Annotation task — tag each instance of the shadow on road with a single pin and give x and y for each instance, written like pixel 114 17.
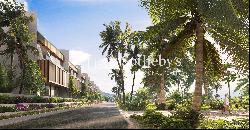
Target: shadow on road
pixel 100 116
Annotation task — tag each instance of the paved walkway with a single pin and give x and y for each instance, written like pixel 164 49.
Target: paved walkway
pixel 99 116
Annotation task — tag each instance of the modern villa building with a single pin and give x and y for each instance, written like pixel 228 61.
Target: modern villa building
pixel 55 65
pixel 56 68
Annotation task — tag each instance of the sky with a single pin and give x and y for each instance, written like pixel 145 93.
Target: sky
pixel 76 24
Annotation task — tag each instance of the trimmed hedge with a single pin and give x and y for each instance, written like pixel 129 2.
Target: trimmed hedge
pixel 7 109
pixel 5 99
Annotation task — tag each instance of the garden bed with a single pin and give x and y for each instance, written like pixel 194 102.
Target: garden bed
pixel 188 120
pixel 8 115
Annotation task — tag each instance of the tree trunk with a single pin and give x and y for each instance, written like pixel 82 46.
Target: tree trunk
pixel 205 86
pixel 119 93
pixel 131 94
pixel 178 86
pixel 123 92
pixel 22 78
pixel 50 91
pixel 229 93
pixel 122 83
pixel 11 61
pixel 162 91
pixel 198 67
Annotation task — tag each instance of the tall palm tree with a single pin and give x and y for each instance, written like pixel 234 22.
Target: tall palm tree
pixel 133 51
pixel 184 22
pixel 118 79
pixel 114 43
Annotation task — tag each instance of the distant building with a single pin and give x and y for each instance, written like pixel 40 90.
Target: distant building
pixel 55 65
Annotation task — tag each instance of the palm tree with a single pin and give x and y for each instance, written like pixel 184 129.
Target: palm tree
pixel 133 50
pixel 243 84
pixel 229 76
pixel 114 43
pixel 118 79
pixel 184 22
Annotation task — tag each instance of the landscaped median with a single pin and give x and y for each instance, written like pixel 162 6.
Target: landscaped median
pixel 18 106
pixel 186 119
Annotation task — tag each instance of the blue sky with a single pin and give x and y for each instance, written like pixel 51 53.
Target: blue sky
pixel 76 24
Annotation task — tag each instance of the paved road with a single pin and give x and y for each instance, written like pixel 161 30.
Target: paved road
pixel 99 116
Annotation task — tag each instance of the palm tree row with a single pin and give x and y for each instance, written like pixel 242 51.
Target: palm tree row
pixel 179 33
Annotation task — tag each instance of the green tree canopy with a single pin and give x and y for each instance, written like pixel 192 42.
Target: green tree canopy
pixel 183 24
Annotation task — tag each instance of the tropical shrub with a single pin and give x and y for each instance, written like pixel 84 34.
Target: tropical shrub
pixel 224 124
pixel 6 84
pixel 39 99
pixel 216 104
pixel 175 101
pixel 72 87
pixel 189 116
pixel 6 99
pixel 151 106
pixel 4 109
pixel 139 102
pixel 32 78
pixel 205 107
pixel 184 118
pixel 161 106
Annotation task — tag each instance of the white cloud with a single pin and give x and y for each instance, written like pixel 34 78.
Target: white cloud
pixel 78 57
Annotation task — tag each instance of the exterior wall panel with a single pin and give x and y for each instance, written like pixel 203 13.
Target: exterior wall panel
pixel 52 72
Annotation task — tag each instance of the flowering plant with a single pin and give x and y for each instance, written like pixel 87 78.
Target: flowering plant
pixel 22 107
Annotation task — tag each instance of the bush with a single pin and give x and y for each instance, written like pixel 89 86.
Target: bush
pixel 4 109
pixel 22 99
pixel 170 105
pixel 216 104
pixel 34 107
pixel 151 106
pixel 161 106
pixel 189 116
pixel 153 119
pixel 55 100
pixel 5 99
pixel 224 124
pixel 181 119
pixel 205 107
pixel 38 99
pixel 139 102
pixel 6 83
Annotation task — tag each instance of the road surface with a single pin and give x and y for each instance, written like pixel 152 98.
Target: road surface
pixel 99 116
